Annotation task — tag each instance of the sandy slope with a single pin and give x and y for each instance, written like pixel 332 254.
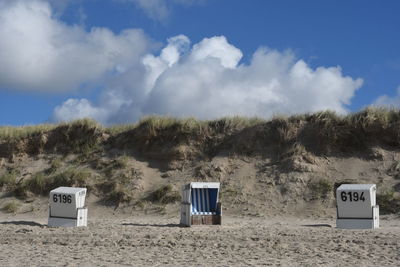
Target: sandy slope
pixel 150 240
pixel 255 191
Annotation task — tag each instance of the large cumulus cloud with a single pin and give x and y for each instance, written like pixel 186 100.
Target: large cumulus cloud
pixel 207 81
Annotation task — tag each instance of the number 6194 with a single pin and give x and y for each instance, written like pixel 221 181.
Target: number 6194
pixel 352 196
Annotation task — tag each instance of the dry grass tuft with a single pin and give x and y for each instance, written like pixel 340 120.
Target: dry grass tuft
pixel 389 202
pixel 11 207
pixel 41 183
pixel 321 189
pixel 12 132
pixel 165 195
pixel 8 179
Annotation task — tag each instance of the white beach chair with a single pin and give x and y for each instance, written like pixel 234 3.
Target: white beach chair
pixel 356 206
pixel 200 204
pixel 67 207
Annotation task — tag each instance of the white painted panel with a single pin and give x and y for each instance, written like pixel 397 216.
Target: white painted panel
pixel 360 223
pixel 61 222
pixel 82 217
pixel 185 214
pixel 204 185
pixel 80 220
pixel 355 224
pixel 355 201
pixel 64 201
pixel 186 194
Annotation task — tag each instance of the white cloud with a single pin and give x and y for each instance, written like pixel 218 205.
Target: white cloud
pixel 388 101
pixel 39 52
pixel 155 9
pixel 207 81
pixel 160 9
pixel 204 80
pixel 217 48
pixel 74 108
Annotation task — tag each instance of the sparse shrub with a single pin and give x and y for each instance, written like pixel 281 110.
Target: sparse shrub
pixel 55 165
pixel 120 128
pixel 327 118
pixel 394 170
pixel 8 179
pixel 80 136
pixel 71 177
pixel 284 189
pixel 229 124
pixel 388 202
pixel 37 184
pixel 11 207
pixel 296 149
pixel 320 188
pixel 119 194
pixel 140 204
pixel 12 133
pixel 396 188
pixel 41 183
pixel 370 117
pixel 121 162
pixel 121 186
pixel 282 130
pixel 165 195
pixel 228 192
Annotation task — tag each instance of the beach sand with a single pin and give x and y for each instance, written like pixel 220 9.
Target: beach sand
pixel 148 240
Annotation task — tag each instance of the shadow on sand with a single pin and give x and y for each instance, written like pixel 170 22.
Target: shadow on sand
pixel 26 223
pixel 153 225
pixel 318 225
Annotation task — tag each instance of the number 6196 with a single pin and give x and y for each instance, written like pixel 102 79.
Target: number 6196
pixel 62 198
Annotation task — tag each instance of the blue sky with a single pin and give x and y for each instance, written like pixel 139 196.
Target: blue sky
pixel 118 60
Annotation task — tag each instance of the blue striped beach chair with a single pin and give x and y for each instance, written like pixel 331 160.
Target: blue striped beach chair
pixel 200 204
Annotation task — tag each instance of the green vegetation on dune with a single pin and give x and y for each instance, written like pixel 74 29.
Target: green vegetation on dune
pixel 388 202
pixel 11 132
pixel 41 183
pixel 328 128
pixel 101 157
pixel 11 206
pixel 165 194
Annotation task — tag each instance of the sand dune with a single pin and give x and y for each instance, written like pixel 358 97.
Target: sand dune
pixel 277 177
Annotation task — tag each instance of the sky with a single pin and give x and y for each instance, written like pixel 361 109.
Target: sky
pixel 118 60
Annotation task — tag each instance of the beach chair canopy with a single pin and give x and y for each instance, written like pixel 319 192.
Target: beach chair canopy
pixel 204 198
pixel 200 204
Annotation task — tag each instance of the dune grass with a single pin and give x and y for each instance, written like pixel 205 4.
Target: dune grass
pixel 11 206
pixel 18 132
pixel 388 202
pixel 320 132
pixel 328 130
pixel 321 188
pixel 42 183
pixel 8 179
pixel 367 118
pixel 165 195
